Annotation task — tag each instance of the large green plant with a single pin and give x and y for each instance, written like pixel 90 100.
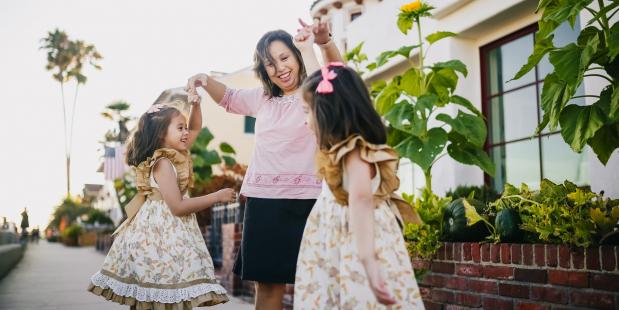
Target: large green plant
pixel 66 59
pixel 204 158
pixel 413 102
pixel 594 54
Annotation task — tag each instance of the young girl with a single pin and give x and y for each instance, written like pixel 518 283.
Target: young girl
pixel 159 259
pixel 352 255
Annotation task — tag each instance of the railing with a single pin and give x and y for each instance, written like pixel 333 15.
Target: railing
pixel 222 214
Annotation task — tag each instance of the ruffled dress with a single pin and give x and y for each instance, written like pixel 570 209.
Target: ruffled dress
pixel 158 260
pixel 329 273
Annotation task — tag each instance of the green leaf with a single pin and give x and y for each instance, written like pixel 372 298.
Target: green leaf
pixel 442 83
pixel 423 151
pixel 603 12
pixel 405 51
pixel 613 42
pixel 387 97
pixel 542 47
pixel 426 102
pixel 472 127
pixel 432 38
pixel 384 57
pixel 229 161
pixel 455 64
pixel 614 103
pixel 411 82
pixel 571 61
pixel 204 138
pixel 467 153
pixel 579 124
pixel 210 157
pixel 404 117
pixel 605 142
pixel 227 148
pixel 461 101
pixel 404 23
pixel 555 95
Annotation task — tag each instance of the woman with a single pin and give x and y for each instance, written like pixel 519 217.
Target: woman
pixel 281 185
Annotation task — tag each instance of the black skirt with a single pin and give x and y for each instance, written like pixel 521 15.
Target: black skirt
pixel 272 232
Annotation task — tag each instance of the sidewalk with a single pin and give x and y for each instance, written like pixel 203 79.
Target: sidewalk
pixel 54 277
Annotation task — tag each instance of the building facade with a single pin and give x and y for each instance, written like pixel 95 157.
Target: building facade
pixel 494 40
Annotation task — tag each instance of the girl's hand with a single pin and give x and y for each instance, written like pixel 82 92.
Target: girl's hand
pixel 377 283
pixel 193 97
pixel 320 30
pixel 198 80
pixel 226 195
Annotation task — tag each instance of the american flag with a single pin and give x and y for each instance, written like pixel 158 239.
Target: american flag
pixel 114 162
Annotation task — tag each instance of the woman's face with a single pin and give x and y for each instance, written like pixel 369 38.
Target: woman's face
pixel 284 72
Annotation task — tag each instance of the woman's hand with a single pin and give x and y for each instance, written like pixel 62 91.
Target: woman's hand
pixel 198 80
pixel 226 195
pixel 377 283
pixel 304 39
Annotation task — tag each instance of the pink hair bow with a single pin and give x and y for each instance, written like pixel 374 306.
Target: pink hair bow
pixel 325 86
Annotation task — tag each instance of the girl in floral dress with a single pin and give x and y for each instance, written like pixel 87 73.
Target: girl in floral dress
pixel 159 259
pixel 352 253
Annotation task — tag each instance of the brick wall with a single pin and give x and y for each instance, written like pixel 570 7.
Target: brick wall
pixel 520 276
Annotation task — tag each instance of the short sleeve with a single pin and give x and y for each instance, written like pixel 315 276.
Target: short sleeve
pixel 243 101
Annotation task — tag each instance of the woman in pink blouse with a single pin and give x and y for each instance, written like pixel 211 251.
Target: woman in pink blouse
pixel 281 185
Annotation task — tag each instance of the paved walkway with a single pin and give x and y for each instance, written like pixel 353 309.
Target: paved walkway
pixel 54 277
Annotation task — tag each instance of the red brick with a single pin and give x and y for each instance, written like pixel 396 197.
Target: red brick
pixel 449 251
pixel 514 290
pixel 442 267
pixel 499 272
pixel 578 258
pixel 466 251
pixel 483 286
pixel 495 253
pixel 530 275
pixel 516 253
pixel 568 278
pixel 440 254
pixel 565 257
pixel 455 307
pixel 608 258
pixel 475 252
pixel 531 306
pixel 434 280
pixel 421 264
pixel 485 252
pixel 469 270
pixel 605 281
pixel 457 283
pixel 549 294
pixel 497 303
pixel 592 299
pixel 505 255
pixel 457 252
pixel 593 258
pixel 470 300
pixel 552 255
pixel 527 254
pixel 443 296
pixel 540 255
pixel 432 305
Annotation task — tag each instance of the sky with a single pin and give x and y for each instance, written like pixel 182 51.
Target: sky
pixel 148 46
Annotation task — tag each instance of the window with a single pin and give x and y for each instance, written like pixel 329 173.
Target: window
pixel 512 110
pixel 250 123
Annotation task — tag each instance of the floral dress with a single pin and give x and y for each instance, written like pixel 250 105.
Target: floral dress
pixel 329 272
pixel 158 260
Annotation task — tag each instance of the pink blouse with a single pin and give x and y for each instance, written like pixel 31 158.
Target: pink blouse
pixel 282 165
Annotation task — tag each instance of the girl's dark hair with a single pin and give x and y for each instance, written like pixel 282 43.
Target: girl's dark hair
pixel 348 110
pixel 262 55
pixel 149 135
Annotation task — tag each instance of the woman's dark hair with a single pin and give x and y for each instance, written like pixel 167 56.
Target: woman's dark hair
pixel 348 110
pixel 149 135
pixel 262 55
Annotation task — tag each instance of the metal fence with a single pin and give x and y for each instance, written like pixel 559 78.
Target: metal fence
pixel 222 214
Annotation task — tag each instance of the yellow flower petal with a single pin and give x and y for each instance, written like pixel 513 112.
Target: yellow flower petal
pixel 411 7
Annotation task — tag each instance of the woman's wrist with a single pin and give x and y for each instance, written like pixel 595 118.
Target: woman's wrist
pixel 326 44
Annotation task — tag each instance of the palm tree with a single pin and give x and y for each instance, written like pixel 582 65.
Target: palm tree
pixel 66 59
pixel 114 112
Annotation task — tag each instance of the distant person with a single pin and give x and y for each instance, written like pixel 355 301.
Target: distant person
pixel 353 255
pixel 159 259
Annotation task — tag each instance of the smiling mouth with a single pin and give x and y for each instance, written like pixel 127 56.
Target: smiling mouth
pixel 184 141
pixel 285 77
